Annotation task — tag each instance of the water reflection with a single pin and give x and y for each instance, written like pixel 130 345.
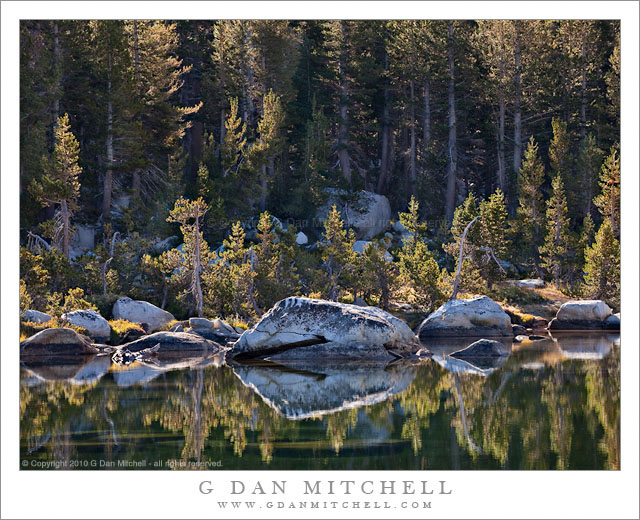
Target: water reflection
pixel 303 390
pixel 552 404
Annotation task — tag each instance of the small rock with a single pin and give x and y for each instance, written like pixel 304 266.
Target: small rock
pixel 535 283
pixel 96 326
pixel 482 348
pixel 36 316
pixel 141 312
pixel 200 323
pixel 302 239
pixel 612 322
pixel 518 330
pixel 535 337
pixel 584 310
pixel 539 323
pixel 177 328
pixel 520 338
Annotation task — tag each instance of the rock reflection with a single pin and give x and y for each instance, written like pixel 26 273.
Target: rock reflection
pixel 83 370
pixel 303 390
pixel 594 346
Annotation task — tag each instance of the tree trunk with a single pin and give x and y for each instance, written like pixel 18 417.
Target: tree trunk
pixel 412 150
pixel 263 187
pixel 427 114
pixel 197 288
pixel 456 280
pixel 452 166
pixel 583 97
pixel 55 107
pixel 108 178
pixel 135 182
pixel 343 129
pixel 502 180
pixel 517 115
pixel 384 146
pixel 66 228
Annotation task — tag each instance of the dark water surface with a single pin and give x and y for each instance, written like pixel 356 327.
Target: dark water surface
pixel 552 404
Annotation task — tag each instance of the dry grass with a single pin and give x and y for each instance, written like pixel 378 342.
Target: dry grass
pixel 121 327
pixel 29 328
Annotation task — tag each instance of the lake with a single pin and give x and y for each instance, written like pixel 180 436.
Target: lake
pixel 552 404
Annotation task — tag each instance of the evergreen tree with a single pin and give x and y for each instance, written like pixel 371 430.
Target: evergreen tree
pixel 380 275
pixel 530 210
pixel 602 266
pixel 190 215
pixel 59 184
pixel 337 254
pixel 494 242
pixel 276 276
pixel 557 244
pixel 419 271
pixel 229 281
pixel 233 146
pixel 608 202
pixel 589 162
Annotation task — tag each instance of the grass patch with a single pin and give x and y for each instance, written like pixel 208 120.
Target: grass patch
pixel 237 322
pixel 514 294
pixel 168 326
pixel 29 328
pixel 121 327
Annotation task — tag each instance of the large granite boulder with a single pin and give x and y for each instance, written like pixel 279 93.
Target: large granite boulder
pixel 581 315
pixel 368 213
pixel 300 391
pixel 299 323
pixel 141 312
pixel 479 316
pixel 58 341
pixel 96 326
pixel 36 316
pixel 215 330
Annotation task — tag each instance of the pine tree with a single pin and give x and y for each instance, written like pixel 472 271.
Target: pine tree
pixel 337 253
pixel 602 267
pixel 276 276
pixel 59 184
pixel 608 202
pixel 589 162
pixel 264 150
pixel 530 210
pixel 561 161
pixel 233 146
pixel 557 244
pixel 493 238
pixel 229 281
pixel 419 271
pixel 380 275
pixel 190 214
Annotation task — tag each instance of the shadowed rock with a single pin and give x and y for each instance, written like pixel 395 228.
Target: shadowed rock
pixel 302 390
pixel 173 342
pixel 482 349
pixel 58 341
pixel 36 316
pixel 353 331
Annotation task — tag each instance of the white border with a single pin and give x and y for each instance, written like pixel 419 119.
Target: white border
pixel 477 494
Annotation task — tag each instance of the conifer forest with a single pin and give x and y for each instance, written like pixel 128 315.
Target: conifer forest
pixel 174 144
pixel 292 244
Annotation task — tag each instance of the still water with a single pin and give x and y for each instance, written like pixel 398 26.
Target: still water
pixel 552 404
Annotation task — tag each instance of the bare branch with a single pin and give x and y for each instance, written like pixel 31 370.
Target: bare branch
pixel 457 278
